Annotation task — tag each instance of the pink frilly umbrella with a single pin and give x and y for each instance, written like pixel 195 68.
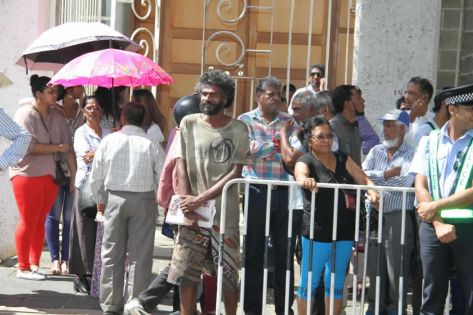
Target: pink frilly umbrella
pixel 109 68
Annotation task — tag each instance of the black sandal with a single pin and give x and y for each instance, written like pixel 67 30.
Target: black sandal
pixel 82 284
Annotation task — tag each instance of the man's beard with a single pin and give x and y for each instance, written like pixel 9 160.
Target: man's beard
pixel 391 143
pixel 359 113
pixel 211 110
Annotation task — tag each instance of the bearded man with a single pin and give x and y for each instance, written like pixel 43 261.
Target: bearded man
pixel 214 148
pixel 388 164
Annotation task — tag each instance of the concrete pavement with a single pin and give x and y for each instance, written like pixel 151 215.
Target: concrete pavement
pixel 56 294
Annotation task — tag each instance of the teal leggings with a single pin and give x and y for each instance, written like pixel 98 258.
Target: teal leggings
pixel 322 257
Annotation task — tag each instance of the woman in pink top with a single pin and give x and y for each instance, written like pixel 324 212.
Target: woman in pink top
pixel 33 178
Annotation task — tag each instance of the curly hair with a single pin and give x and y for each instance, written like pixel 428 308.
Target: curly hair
pixel 220 79
pixel 306 132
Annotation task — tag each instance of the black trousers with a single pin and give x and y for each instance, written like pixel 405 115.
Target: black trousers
pixel 157 290
pixel 255 242
pixel 436 263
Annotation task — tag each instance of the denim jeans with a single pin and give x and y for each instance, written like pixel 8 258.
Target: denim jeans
pixel 62 206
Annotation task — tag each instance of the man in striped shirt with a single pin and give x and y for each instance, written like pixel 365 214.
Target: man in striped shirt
pixel 264 125
pixel 388 164
pixel 20 140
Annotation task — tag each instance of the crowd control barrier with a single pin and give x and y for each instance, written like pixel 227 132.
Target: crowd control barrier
pixel 358 305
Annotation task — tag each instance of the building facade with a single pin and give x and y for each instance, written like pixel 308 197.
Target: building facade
pixel 378 45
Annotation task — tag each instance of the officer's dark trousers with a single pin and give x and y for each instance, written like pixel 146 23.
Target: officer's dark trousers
pixel 436 263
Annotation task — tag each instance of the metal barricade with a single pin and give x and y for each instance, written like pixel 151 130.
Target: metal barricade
pixel 358 304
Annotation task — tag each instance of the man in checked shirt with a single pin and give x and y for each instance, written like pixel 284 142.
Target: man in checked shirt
pixel 387 164
pixel 264 125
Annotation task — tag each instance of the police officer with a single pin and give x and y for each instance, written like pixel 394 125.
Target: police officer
pixel 444 167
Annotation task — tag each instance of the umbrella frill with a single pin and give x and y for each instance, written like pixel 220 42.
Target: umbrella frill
pixel 111 67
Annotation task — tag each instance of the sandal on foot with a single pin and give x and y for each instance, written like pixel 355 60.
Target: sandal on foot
pixel 65 268
pixel 55 268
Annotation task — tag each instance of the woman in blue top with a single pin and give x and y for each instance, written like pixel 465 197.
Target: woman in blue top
pixel 322 165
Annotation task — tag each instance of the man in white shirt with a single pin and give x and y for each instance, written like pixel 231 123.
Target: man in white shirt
pixel 124 176
pixel 443 165
pixel 441 116
pixel 316 82
pixel 418 94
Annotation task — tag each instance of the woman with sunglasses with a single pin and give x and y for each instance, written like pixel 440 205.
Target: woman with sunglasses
pixel 321 165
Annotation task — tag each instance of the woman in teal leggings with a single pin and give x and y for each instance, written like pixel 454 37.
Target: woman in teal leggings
pixel 321 165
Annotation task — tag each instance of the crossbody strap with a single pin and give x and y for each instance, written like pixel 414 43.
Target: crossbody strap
pixel 433 166
pixel 462 180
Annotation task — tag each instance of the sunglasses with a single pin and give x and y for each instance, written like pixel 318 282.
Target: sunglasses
pixel 317 74
pixel 458 160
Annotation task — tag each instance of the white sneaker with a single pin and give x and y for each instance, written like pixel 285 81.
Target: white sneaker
pixel 29 275
pixel 134 307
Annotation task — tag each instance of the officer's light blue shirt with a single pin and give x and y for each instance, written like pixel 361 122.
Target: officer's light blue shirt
pixel 448 153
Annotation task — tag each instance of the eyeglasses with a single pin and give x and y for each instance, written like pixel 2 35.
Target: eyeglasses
pixel 321 137
pixel 458 160
pixel 317 74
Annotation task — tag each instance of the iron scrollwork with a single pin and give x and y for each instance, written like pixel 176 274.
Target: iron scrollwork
pixel 227 5
pixel 144 43
pixel 225 47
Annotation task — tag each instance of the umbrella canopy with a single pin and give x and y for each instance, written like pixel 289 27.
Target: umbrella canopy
pixel 62 43
pixel 111 67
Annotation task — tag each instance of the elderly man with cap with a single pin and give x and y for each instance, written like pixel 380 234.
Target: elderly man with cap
pixel 444 164
pixel 388 164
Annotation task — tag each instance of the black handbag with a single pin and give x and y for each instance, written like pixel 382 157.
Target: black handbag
pixel 61 178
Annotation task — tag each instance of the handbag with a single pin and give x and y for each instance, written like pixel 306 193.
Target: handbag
pixel 87 206
pixel 350 200
pixel 61 178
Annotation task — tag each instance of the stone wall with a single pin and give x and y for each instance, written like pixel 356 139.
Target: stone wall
pixel 22 21
pixel 466 57
pixel 456 44
pixel 394 41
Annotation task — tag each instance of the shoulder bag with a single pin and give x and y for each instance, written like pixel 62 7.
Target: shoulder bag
pixel 86 205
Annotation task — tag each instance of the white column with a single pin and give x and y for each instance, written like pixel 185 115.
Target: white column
pixel 394 41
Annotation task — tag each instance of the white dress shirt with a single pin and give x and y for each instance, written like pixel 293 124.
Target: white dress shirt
pixel 125 161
